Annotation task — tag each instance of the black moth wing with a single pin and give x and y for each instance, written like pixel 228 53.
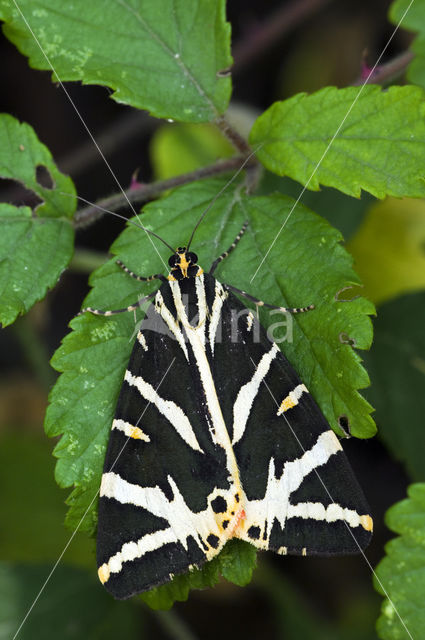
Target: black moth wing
pixel 216 437
pixel 301 494
pixel 164 480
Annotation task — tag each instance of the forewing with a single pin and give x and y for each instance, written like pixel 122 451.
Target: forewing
pixel 301 494
pixel 165 482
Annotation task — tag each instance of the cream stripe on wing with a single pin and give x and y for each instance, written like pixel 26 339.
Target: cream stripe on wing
pixel 217 426
pixel 292 399
pixel 220 297
pixel 275 503
pixel 168 408
pixel 331 513
pixel 184 523
pixel 248 392
pixel 170 321
pixel 130 430
pixel 142 340
pixel 202 306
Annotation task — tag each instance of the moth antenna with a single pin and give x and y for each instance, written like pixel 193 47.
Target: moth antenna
pixel 118 215
pixel 217 195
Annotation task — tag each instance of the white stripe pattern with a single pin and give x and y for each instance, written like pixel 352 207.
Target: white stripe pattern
pixel 275 503
pixel 184 523
pixel 220 297
pixel 130 430
pixel 248 392
pixel 142 341
pixel 170 321
pixel 292 399
pixel 172 412
pixel 218 429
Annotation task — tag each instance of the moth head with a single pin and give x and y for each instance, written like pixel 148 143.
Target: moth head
pixel 183 264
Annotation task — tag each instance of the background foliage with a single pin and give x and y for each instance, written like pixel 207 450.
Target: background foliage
pixel 175 65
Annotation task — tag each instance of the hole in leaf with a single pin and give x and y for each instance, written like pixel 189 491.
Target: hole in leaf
pixel 351 295
pixel 344 424
pixel 346 339
pixel 43 177
pixel 224 73
pixel 14 192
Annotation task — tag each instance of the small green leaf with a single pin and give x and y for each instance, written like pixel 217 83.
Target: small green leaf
pixel 237 561
pixel 307 265
pixel 396 364
pixel 158 55
pixel 402 572
pixel 180 148
pixel 378 147
pixel 412 17
pixel 35 246
pixel 388 249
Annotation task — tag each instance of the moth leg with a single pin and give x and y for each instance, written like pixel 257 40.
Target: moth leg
pixel 260 303
pixel 131 307
pixel 229 250
pixel 157 276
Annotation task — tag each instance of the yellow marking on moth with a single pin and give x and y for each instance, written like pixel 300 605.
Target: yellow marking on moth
pixel 304 551
pixel 283 551
pixel 292 399
pixel 138 434
pixel 287 403
pixel 130 430
pixel 183 264
pixel 366 522
pixel 103 573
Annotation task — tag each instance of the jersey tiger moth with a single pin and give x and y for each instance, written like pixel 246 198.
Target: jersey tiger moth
pixel 215 437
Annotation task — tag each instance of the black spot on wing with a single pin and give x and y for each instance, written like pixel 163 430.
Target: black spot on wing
pixel 213 540
pixel 254 532
pixel 219 505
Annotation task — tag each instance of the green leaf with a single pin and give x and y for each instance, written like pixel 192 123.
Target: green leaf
pixel 413 19
pixel 396 364
pixel 388 249
pixel 180 148
pixel 402 572
pixel 35 246
pixel 379 146
pixel 307 265
pixel 72 606
pixel 158 55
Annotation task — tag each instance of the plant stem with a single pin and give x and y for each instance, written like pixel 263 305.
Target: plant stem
pixel 135 195
pixel 387 72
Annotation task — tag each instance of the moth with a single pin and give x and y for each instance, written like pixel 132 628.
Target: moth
pixel 215 437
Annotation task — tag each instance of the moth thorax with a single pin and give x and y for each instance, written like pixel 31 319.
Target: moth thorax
pixel 183 264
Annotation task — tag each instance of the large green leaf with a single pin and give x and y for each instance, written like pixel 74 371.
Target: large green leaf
pixel 412 15
pixel 396 364
pixel 307 265
pixel 402 571
pixel 161 55
pixel 379 146
pixel 35 246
